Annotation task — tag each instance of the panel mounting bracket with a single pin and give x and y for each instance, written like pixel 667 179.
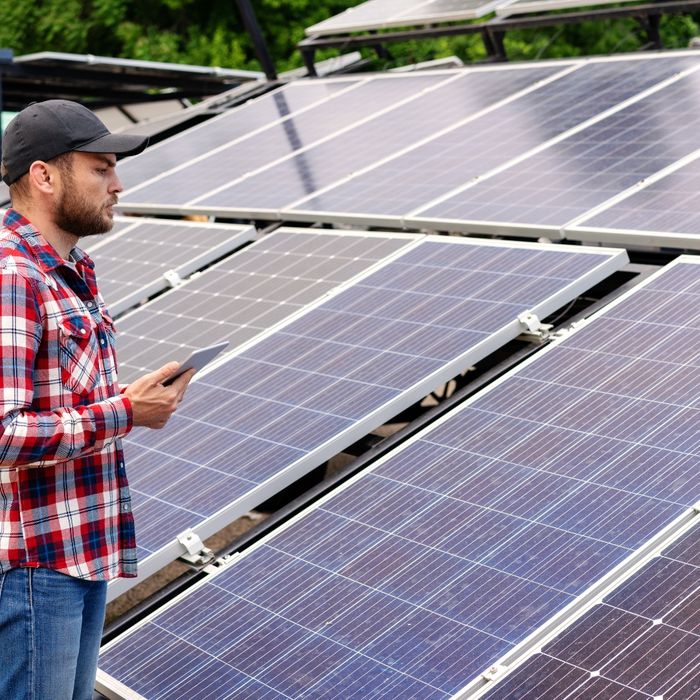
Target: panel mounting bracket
pixel 197 554
pixel 172 278
pixel 494 673
pixel 533 328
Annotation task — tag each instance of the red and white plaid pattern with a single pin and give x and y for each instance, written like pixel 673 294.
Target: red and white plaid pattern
pixel 64 497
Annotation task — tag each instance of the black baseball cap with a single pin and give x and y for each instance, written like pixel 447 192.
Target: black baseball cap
pixel 44 130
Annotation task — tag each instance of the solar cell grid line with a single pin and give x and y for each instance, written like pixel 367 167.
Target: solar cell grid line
pixel 299 394
pixel 279 141
pixel 447 553
pixel 386 191
pixel 641 641
pixel 145 256
pixel 233 124
pixel 470 92
pixel 578 170
pixel 664 210
pixel 248 293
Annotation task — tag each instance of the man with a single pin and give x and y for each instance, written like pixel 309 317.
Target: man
pixel 66 526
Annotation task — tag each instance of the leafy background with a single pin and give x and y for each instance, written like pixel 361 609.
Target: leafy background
pixel 210 32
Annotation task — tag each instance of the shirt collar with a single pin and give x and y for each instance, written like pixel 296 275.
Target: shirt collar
pixel 44 253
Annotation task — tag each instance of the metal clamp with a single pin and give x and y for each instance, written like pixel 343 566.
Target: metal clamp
pixel 533 327
pixel 172 278
pixel 197 554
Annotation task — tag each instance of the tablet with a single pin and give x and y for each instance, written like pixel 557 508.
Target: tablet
pixel 197 360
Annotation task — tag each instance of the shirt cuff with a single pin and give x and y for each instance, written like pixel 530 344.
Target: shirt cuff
pixel 113 417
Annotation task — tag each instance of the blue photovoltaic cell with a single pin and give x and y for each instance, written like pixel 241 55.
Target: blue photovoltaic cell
pixel 571 177
pixel 131 262
pixel 278 140
pixel 378 581
pixel 641 642
pixel 245 294
pixel 225 128
pixel 383 136
pixel 289 394
pixel 448 161
pixel 671 204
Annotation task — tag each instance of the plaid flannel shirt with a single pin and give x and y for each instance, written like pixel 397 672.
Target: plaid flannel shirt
pixel 64 497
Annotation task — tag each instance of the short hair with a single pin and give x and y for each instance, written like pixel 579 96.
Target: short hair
pixel 19 189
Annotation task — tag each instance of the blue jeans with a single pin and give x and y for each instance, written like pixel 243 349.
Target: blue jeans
pixel 50 631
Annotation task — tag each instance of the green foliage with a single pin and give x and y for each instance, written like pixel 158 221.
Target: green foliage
pixel 210 32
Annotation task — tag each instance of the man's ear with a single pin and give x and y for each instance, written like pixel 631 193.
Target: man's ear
pixel 42 177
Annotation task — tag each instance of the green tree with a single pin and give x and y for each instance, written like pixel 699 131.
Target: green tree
pixel 210 32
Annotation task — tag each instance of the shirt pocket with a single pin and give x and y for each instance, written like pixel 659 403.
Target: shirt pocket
pixel 78 355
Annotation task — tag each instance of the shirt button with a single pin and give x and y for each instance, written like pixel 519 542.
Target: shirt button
pixel 83 331
pixel 125 507
pixel 103 342
pixel 90 304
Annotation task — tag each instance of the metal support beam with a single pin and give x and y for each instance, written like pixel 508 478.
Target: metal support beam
pixel 253 28
pixel 5 59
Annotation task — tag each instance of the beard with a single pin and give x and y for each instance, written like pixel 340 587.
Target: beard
pixel 78 215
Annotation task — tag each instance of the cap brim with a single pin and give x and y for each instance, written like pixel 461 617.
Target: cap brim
pixel 119 144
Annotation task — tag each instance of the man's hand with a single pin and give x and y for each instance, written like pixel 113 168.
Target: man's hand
pixel 151 402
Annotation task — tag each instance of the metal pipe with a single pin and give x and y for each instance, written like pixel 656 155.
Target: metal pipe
pixel 253 28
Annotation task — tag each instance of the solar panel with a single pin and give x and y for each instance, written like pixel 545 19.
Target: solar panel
pixel 665 211
pixel 563 181
pixel 144 256
pixel 462 95
pixel 387 191
pixel 294 397
pixel 519 7
pixel 422 572
pixel 247 293
pixel 383 14
pixel 234 124
pixel 640 642
pixel 274 141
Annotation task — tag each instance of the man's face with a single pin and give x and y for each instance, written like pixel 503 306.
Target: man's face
pixel 87 195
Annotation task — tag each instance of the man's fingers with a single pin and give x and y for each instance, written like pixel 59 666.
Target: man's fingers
pixel 180 384
pixel 162 373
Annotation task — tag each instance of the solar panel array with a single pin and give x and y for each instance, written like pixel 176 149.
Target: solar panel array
pixel 580 172
pixel 238 123
pixel 382 14
pixel 526 149
pixel 294 397
pixel 329 140
pixel 640 642
pixel 386 192
pixel 247 293
pixel 664 211
pixel 140 256
pixel 426 569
